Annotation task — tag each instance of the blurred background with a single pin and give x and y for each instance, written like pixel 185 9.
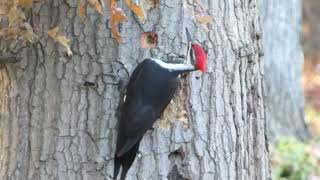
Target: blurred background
pixel 311 68
pixel 295 149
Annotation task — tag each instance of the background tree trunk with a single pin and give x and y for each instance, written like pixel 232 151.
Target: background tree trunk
pixel 58 114
pixel 283 68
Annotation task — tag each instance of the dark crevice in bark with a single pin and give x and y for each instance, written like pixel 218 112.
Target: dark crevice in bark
pixel 76 98
pixel 177 159
pixel 9 59
pixel 174 174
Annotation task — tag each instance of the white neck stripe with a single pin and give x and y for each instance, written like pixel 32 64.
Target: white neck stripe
pixel 173 67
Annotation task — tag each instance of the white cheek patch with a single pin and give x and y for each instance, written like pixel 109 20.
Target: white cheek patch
pixel 124 98
pixel 173 67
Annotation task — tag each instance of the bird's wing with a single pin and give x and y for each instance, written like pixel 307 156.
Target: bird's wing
pixel 132 113
pixel 170 91
pixel 136 74
pixel 133 131
pixel 137 116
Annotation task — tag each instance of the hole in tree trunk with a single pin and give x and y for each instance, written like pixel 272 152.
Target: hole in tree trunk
pixel 149 40
pixel 175 174
pixel 176 157
pixel 177 154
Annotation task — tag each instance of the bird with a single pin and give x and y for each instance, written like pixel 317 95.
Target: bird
pixel 151 87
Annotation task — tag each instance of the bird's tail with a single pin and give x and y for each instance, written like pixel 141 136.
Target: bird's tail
pixel 117 164
pixel 125 161
pixel 124 172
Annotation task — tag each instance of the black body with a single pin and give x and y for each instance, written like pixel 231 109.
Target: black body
pixel 150 89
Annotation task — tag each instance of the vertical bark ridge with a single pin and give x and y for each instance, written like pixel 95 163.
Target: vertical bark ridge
pixel 64 109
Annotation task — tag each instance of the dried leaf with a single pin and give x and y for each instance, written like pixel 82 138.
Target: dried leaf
pixel 116 16
pixel 203 20
pixel 25 3
pixel 96 5
pixel 62 40
pixel 136 9
pixel 53 32
pixel 4 6
pixel 27 33
pixel 149 4
pixel 15 16
pixel 81 12
pixel 11 32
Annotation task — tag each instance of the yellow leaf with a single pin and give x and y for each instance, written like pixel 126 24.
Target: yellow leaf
pixel 96 5
pixel 62 40
pixel 25 3
pixel 136 9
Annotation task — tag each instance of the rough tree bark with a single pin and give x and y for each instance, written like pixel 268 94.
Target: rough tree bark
pixel 283 67
pixel 58 114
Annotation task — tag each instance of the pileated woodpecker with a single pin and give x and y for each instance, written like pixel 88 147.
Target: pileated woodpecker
pixel 150 89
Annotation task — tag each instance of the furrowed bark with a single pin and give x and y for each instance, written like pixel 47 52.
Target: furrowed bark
pixel 58 114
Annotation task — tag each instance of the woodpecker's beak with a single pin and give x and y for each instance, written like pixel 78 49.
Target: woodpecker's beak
pixel 188 37
pixel 190 54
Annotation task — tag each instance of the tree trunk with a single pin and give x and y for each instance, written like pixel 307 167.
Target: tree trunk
pixel 58 114
pixel 283 67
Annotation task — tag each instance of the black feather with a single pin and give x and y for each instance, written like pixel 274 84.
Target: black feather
pixel 150 89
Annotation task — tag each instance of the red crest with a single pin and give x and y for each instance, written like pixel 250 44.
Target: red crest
pixel 200 56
